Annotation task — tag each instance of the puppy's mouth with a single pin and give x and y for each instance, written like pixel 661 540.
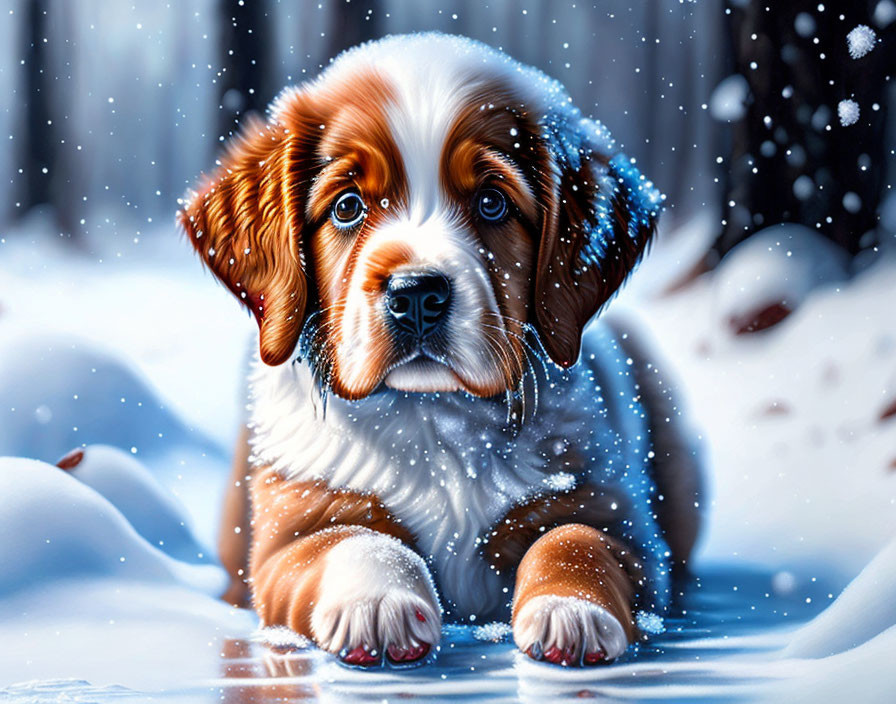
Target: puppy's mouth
pixel 422 374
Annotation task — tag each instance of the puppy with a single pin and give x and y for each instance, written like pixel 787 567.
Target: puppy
pixel 422 234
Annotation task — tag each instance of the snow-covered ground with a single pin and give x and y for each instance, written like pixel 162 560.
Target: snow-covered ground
pixel 108 589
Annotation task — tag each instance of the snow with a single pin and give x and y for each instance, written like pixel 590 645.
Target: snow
pixel 884 13
pixel 805 24
pixel 787 414
pixel 650 622
pixel 281 638
pixel 494 632
pixel 85 596
pixel 791 415
pixel 728 102
pixel 848 112
pixel 863 611
pixel 152 511
pixel 783 263
pixel 56 527
pixel 861 40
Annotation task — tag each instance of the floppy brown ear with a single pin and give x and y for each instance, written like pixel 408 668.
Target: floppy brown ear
pixel 599 218
pixel 246 223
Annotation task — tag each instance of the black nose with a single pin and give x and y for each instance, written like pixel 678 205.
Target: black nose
pixel 418 302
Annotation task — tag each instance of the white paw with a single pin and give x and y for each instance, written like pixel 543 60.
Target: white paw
pixel 568 631
pixel 377 603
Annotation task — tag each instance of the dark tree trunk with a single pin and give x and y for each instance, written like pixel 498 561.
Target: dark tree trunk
pixel 354 22
pixel 40 145
pixel 791 159
pixel 245 83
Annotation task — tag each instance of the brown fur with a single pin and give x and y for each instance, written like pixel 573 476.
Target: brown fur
pixel 248 220
pixel 567 297
pixel 294 525
pixel 523 525
pixel 578 561
pixel 234 534
pixel 261 224
pixel 480 151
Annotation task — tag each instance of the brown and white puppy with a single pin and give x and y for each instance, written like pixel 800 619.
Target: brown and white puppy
pixel 422 234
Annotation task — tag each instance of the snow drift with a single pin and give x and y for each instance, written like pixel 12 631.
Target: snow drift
pixel 84 595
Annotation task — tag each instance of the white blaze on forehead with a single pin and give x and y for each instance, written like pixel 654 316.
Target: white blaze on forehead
pixel 432 77
pixel 428 102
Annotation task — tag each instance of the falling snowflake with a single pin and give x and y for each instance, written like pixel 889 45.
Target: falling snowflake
pixel 494 632
pixel 848 110
pixel 861 40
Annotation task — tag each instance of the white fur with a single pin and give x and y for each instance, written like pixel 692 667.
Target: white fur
pixel 410 451
pixel 438 243
pixel 371 591
pixel 569 623
pixel 443 464
pixel 434 78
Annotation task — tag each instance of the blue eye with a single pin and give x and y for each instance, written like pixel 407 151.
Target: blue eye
pixel 348 210
pixel 491 205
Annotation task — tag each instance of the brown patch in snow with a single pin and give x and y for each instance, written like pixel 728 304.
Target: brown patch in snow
pixel 777 408
pixel 889 411
pixel 71 460
pixel 760 319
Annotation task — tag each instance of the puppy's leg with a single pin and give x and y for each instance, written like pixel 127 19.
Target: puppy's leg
pixel 572 603
pixel 335 567
pixel 233 534
pixel 353 591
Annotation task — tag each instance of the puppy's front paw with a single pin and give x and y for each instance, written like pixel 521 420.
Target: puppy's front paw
pixel 568 631
pixel 377 603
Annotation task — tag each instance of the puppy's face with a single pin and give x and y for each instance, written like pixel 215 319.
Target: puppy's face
pixel 422 240
pixel 411 228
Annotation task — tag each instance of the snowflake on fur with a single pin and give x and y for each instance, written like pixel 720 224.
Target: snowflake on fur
pixel 848 111
pixel 861 40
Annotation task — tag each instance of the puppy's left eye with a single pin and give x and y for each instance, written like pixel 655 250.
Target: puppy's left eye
pixel 348 210
pixel 491 205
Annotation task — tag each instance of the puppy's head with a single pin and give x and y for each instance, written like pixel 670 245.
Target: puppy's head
pixel 418 216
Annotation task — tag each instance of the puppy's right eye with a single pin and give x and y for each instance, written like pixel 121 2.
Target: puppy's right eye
pixel 348 210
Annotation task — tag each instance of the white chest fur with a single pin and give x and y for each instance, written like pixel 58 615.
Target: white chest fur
pixel 444 465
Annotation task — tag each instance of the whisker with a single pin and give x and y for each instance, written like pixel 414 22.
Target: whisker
pixel 528 353
pixel 510 365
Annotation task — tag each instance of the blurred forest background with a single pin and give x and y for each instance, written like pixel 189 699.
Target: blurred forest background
pixel 112 108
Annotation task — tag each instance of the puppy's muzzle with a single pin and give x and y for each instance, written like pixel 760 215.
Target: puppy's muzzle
pixel 418 303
